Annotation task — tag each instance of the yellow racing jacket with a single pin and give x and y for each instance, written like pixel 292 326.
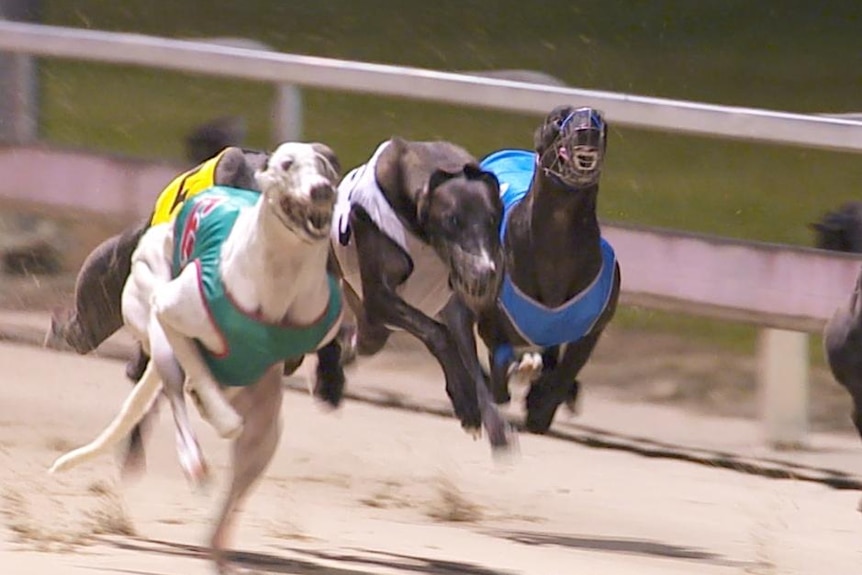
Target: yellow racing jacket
pixel 184 186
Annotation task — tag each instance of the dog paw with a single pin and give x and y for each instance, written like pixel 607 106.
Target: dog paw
pixel 472 431
pixel 196 471
pixel 349 339
pixel 573 407
pixel 528 369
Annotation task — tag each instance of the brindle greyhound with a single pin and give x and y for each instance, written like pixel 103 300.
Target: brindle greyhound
pixel 416 227
pixel 236 285
pixel 562 280
pixel 841 230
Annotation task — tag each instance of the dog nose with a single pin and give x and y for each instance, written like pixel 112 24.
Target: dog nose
pixel 484 264
pixel 323 192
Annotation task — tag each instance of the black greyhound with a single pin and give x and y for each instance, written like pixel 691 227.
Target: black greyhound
pixel 416 229
pixel 841 230
pixel 562 279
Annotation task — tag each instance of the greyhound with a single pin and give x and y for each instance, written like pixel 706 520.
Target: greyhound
pixel 235 286
pixel 841 230
pixel 416 227
pixel 97 310
pixel 562 279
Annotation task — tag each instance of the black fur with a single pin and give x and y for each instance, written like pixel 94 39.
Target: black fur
pixel 841 230
pixel 443 197
pixel 552 253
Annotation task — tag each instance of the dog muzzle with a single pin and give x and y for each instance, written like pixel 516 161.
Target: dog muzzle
pixel 579 148
pixel 475 278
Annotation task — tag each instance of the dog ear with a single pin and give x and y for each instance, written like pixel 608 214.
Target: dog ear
pixel 544 135
pixel 439 177
pixel 330 156
pixel 473 172
pixel 423 198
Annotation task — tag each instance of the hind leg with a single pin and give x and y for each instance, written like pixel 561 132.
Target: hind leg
pixel 134 460
pixel 184 317
pixel 188 449
pixel 260 407
pixel 96 314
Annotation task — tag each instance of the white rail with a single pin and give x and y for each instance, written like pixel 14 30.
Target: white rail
pixel 653 113
pixel 772 286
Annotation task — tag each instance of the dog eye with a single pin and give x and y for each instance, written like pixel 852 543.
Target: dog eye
pixel 452 221
pixel 286 165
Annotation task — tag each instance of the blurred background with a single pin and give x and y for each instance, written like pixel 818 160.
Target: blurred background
pixel 784 55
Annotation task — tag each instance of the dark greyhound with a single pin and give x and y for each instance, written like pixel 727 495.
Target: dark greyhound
pixel 416 228
pixel 562 279
pixel 841 230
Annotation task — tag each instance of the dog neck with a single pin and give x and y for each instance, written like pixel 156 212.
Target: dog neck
pixel 563 240
pixel 271 272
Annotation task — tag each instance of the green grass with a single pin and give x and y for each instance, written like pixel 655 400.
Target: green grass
pixel 786 55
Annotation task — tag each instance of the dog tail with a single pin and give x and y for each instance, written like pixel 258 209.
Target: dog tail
pixel 134 408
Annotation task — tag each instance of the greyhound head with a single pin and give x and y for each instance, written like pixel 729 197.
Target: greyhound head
pixel 460 214
pixel 571 144
pixel 298 183
pixel 840 230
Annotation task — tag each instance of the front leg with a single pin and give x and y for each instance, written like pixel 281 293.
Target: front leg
pixel 558 384
pixel 396 312
pixel 329 376
pixel 184 318
pixel 501 357
pixel 460 321
pixel 383 266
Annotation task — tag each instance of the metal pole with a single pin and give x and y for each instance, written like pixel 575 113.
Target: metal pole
pixel 287 109
pixel 19 83
pixel 287 106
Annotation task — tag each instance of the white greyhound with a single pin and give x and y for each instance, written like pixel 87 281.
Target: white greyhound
pixel 222 297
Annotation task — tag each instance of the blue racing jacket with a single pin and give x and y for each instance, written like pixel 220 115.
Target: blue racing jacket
pixel 537 324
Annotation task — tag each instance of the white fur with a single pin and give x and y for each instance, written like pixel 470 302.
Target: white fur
pixel 269 265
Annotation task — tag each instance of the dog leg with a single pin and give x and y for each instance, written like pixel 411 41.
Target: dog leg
pixel 149 269
pixel 558 384
pixel 460 321
pixel 499 379
pixel 188 449
pixel 183 317
pixel 329 376
pixel 382 268
pixel 460 386
pixel 529 368
pixel 348 334
pixel 260 406
pixel 134 460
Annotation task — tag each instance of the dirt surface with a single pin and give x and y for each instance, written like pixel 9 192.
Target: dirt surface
pixel 374 490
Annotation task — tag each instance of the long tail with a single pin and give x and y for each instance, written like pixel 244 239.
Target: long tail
pixel 134 408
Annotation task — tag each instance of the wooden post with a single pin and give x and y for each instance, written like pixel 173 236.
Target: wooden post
pixel 783 386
